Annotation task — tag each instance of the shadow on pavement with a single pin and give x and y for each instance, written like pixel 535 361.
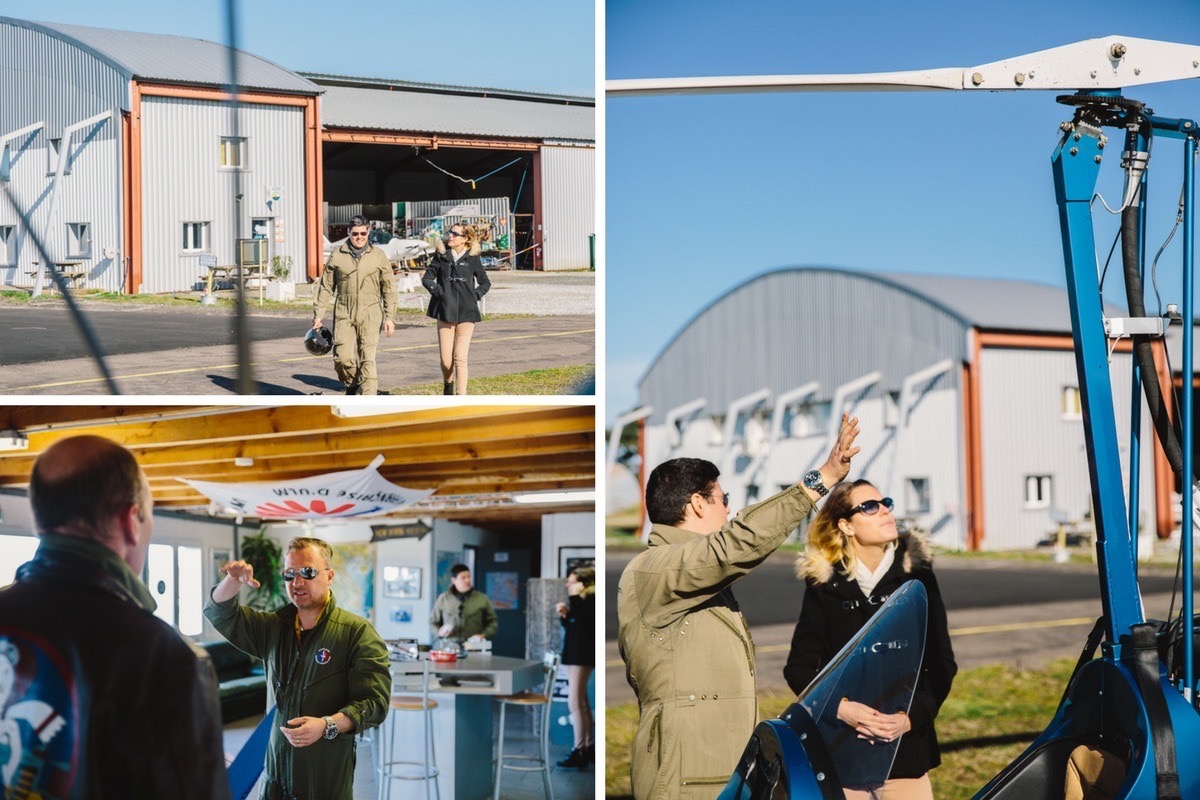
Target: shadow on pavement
pixel 230 385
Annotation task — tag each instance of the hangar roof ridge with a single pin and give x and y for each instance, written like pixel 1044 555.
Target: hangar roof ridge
pixel 171 58
pixel 445 88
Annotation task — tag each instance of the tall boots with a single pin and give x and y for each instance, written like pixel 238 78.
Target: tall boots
pixel 448 387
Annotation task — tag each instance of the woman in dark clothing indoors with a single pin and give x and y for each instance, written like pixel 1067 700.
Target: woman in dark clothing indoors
pixel 578 616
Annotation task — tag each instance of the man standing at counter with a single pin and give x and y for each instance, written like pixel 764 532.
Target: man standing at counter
pixel 327 672
pixel 463 612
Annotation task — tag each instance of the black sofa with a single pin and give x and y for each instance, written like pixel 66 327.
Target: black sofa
pixel 243 683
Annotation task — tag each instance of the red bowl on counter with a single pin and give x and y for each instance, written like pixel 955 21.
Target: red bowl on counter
pixel 443 655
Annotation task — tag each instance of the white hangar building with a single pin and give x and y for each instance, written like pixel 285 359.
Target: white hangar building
pixel 966 390
pixel 124 151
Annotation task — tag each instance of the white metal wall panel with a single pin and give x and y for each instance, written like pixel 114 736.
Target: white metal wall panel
pixel 786 328
pixel 90 193
pixel 568 206
pixel 1025 433
pixel 183 182
pixel 44 78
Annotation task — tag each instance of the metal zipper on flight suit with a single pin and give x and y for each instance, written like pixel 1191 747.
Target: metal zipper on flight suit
pixel 738 633
pixel 655 735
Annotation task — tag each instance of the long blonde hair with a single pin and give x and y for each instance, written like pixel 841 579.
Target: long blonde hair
pixel 826 541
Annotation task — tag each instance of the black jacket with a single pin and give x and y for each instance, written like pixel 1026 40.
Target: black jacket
pixel 109 702
pixel 835 608
pixel 579 631
pixel 456 287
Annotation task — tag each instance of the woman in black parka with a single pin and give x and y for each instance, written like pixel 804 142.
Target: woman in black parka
pixel 853 561
pixel 457 280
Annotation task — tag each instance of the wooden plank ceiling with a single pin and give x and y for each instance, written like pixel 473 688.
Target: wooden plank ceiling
pixel 476 457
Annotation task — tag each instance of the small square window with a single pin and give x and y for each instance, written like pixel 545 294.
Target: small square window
pixel 8 245
pixel 807 419
pixel 79 240
pixel 891 409
pixel 1072 403
pixel 195 237
pixel 54 151
pixel 916 498
pixel 233 152
pixel 1038 491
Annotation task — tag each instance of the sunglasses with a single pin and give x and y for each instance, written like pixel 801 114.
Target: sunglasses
pixel 724 498
pixel 358 235
pixel 871 507
pixel 308 573
pixel 459 234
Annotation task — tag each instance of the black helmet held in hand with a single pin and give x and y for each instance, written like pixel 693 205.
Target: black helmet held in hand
pixel 318 341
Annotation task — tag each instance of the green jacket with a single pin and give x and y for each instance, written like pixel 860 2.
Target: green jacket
pixel 687 648
pixel 354 679
pixel 356 290
pixel 470 615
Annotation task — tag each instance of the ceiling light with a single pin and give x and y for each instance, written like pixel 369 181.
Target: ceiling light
pixel 555 497
pixel 13 440
pixel 348 411
pixel 243 461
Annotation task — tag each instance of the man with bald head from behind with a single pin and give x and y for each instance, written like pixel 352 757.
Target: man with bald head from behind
pixel 98 697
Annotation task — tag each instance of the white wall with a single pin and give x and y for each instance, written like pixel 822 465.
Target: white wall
pixel 565 530
pixel 420 553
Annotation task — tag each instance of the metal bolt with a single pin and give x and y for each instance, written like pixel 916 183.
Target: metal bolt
pixel 1064 126
pixel 1098 159
pixel 1117 50
pixel 820 776
pixel 1137 70
pixel 976 79
pixel 803 736
pixel 1019 79
pixel 1074 151
pixel 1077 136
pixel 1093 73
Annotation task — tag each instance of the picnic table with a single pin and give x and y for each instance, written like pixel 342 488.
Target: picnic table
pixel 232 272
pixel 69 270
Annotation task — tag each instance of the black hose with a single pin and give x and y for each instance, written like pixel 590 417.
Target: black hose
pixel 1164 426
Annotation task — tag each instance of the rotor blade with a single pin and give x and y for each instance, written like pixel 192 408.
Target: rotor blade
pixel 1113 62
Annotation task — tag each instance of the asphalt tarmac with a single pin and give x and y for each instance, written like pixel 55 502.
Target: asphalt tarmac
pixel 191 352
pixel 1017 613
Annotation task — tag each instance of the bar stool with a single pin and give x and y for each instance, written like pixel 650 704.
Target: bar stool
pixel 535 701
pixel 388 769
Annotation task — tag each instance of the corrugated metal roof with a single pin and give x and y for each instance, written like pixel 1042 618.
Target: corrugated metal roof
pixel 431 112
pixel 173 59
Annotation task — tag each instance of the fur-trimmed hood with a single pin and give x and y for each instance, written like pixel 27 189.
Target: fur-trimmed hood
pixel 812 565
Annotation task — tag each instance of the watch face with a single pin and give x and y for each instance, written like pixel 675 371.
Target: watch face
pixel 812 479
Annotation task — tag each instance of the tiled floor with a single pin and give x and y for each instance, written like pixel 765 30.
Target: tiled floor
pixel 567 784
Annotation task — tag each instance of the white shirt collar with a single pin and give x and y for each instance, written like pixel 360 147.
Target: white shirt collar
pixel 868 579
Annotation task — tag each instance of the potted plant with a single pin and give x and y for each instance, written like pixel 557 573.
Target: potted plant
pixel 265 555
pixel 280 287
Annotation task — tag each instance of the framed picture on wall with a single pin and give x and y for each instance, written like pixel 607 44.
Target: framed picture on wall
pixel 571 557
pixel 402 582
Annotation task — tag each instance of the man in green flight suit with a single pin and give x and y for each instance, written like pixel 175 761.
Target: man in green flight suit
pixel 686 646
pixel 327 673
pixel 358 281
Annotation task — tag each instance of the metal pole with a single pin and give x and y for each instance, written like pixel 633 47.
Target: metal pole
pixel 1189 486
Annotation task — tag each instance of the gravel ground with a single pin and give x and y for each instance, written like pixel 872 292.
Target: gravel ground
pixel 543 294
pixel 528 292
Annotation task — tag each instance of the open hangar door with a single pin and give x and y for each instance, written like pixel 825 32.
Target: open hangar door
pixel 360 170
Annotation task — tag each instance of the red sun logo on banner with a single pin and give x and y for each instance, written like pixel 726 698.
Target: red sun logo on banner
pixel 295 508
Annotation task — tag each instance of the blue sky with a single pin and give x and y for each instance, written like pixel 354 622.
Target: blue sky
pixel 705 192
pixel 534 45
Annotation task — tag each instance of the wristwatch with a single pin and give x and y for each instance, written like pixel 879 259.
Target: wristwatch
pixel 812 480
pixel 331 730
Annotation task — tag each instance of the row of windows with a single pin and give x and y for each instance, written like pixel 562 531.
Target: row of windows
pixel 195 239
pixel 231 154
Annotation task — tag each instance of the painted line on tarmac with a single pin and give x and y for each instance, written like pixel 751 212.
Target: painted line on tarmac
pixel 406 348
pixel 974 631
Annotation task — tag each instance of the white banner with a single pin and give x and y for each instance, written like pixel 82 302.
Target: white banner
pixel 356 493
